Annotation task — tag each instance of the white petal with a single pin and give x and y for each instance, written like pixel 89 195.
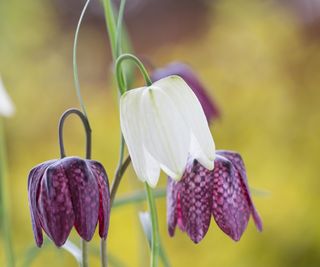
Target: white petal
pixel 190 108
pixel 146 168
pixel 152 169
pixel 6 105
pixel 166 135
pixel 197 153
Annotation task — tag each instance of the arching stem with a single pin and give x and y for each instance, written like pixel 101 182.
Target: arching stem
pixel 86 127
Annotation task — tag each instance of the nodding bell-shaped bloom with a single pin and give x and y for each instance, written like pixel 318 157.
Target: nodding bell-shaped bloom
pixel 6 105
pixel 65 193
pixel 222 193
pixel 164 124
pixel 184 71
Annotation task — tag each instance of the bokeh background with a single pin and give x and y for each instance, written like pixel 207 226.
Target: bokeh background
pixel 259 60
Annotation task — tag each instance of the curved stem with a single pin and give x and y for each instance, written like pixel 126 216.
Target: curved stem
pixel 138 63
pixel 86 126
pixel 117 179
pixel 74 60
pixel 155 241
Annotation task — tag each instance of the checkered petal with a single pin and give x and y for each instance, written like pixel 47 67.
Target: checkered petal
pixel 55 205
pixel 196 200
pixel 231 208
pixel 104 197
pixel 34 180
pixel 172 202
pixel 241 174
pixel 84 191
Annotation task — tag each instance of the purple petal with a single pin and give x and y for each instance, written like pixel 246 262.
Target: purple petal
pixel 196 200
pixel 172 202
pixel 238 163
pixel 231 209
pixel 104 197
pixel 34 179
pixel 184 71
pixel 55 206
pixel 84 191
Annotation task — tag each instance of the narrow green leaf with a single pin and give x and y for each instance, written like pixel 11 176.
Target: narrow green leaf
pixel 137 197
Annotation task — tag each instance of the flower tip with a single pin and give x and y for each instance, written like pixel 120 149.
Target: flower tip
pixel 210 165
pixel 177 176
pixel 152 184
pixel 236 238
pixel 39 243
pixel 196 240
pixel 171 231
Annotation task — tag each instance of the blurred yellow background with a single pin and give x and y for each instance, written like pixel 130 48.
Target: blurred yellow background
pixel 260 60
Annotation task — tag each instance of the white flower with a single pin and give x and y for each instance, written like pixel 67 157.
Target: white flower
pixel 163 125
pixel 6 105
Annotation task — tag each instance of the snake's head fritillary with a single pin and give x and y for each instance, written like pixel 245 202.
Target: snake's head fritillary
pixel 222 192
pixel 66 193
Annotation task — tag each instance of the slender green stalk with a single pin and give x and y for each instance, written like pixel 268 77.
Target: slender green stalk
pixel 5 215
pixel 119 28
pixel 103 253
pixel 84 251
pixel 74 61
pixel 111 26
pixel 117 179
pixel 155 241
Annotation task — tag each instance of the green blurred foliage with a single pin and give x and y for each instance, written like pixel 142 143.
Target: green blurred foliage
pixel 264 73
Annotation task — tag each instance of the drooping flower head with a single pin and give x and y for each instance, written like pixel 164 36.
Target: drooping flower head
pixel 222 193
pixel 163 125
pixel 209 106
pixel 69 192
pixel 66 193
pixel 6 105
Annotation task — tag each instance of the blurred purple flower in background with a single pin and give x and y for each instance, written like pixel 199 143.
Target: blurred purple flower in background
pixel 222 192
pixel 66 193
pixel 184 71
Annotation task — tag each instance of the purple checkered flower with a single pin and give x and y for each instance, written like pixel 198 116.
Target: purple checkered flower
pixel 210 108
pixel 222 192
pixel 65 193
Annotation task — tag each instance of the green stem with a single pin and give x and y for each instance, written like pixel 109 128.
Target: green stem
pixel 119 28
pixel 111 26
pixel 74 60
pixel 155 242
pixel 103 253
pixel 140 65
pixel 84 251
pixel 4 211
pixel 117 179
